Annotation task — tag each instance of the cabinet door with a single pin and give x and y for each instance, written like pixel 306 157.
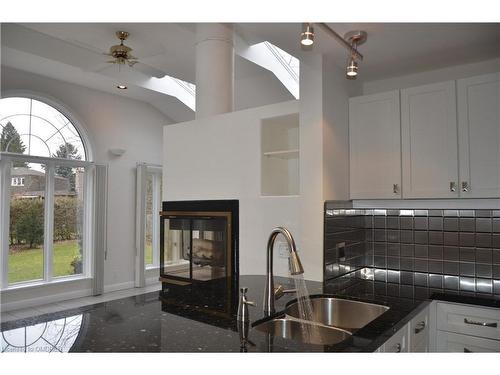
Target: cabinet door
pixel 375 146
pixel 397 343
pixel 429 141
pixel 479 136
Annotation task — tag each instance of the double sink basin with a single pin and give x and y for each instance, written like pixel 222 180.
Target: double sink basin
pixel 333 320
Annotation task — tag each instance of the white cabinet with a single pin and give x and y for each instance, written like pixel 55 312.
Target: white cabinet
pixel 398 343
pixel 467 328
pixel 375 146
pixel 413 337
pixel 457 343
pixel 419 332
pixel 478 101
pixel 429 141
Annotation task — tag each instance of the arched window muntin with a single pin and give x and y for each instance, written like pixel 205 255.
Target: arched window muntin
pixel 71 123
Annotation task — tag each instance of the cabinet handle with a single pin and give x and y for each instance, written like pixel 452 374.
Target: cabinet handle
pixel 465 186
pixel 484 324
pixel 395 188
pixel 468 350
pixel 453 186
pixel 420 327
pixel 398 348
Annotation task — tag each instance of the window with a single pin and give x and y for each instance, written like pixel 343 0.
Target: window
pixel 17 181
pixel 148 206
pixel 152 218
pixel 46 205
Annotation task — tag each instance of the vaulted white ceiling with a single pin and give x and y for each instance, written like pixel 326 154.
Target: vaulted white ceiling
pixel 74 52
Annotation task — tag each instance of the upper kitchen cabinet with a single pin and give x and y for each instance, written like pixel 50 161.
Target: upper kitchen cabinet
pixel 429 141
pixel 479 136
pixel 375 146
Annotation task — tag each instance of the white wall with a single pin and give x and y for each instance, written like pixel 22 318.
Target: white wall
pixel 432 76
pixel 219 158
pixel 112 122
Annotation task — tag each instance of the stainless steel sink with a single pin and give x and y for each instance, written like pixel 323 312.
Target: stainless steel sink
pixel 302 331
pixel 341 313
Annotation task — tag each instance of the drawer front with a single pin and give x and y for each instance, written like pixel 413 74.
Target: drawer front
pixel 419 330
pixel 397 343
pixel 457 343
pixel 469 320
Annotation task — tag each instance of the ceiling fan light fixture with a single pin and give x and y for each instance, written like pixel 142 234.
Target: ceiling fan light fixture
pixel 307 35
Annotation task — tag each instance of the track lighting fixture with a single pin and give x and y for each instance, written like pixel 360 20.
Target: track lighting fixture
pixel 307 35
pixel 350 41
pixel 355 38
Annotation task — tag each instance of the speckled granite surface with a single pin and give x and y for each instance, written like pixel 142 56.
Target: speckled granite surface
pixel 180 320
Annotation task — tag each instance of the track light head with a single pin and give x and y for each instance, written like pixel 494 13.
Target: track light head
pixel 307 35
pixel 352 69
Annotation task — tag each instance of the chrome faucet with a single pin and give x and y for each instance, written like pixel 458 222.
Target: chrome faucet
pixel 270 294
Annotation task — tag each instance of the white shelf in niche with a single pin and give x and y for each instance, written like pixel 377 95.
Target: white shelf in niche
pixel 280 156
pixel 283 154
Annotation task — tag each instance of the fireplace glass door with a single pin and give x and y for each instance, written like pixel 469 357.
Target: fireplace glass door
pixel 195 246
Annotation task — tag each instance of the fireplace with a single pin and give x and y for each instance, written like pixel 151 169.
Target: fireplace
pixel 199 247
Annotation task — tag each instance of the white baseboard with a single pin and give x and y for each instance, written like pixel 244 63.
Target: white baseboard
pixel 39 301
pixel 119 286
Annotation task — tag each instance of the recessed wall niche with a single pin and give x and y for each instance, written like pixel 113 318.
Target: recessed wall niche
pixel 280 155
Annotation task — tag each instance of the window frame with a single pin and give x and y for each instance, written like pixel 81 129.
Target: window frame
pixel 6 159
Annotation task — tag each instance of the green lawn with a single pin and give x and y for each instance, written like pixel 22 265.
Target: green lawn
pixel 28 264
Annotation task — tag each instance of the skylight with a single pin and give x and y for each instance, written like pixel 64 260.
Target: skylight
pixel 182 90
pixel 283 65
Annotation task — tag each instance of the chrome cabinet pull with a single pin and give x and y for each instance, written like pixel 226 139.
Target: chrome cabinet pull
pixel 453 186
pixel 420 327
pixel 395 188
pixel 468 350
pixel 484 324
pixel 465 186
pixel 398 348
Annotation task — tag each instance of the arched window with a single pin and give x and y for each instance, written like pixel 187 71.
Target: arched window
pixel 44 165
pixel 31 127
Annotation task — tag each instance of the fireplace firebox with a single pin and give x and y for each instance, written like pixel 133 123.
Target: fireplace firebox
pixel 199 246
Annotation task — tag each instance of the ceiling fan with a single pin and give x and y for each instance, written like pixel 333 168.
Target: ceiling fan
pixel 121 53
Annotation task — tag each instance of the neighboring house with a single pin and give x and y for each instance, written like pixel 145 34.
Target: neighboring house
pixel 30 183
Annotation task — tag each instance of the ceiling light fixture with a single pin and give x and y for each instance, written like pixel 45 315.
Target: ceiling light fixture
pixel 355 38
pixel 307 35
pixel 121 87
pixel 352 69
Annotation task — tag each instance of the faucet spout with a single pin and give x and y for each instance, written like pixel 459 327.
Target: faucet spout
pixel 294 265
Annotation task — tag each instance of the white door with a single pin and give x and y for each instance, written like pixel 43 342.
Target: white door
pixel 375 146
pixel 479 136
pixel 429 141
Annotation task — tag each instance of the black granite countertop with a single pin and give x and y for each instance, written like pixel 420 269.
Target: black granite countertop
pixel 190 320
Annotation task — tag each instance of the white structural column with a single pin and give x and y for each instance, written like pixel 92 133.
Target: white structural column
pixel 214 69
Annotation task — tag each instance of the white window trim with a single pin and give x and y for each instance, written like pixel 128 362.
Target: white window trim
pixel 6 160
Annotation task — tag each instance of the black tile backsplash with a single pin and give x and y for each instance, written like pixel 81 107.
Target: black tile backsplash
pixel 451 249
